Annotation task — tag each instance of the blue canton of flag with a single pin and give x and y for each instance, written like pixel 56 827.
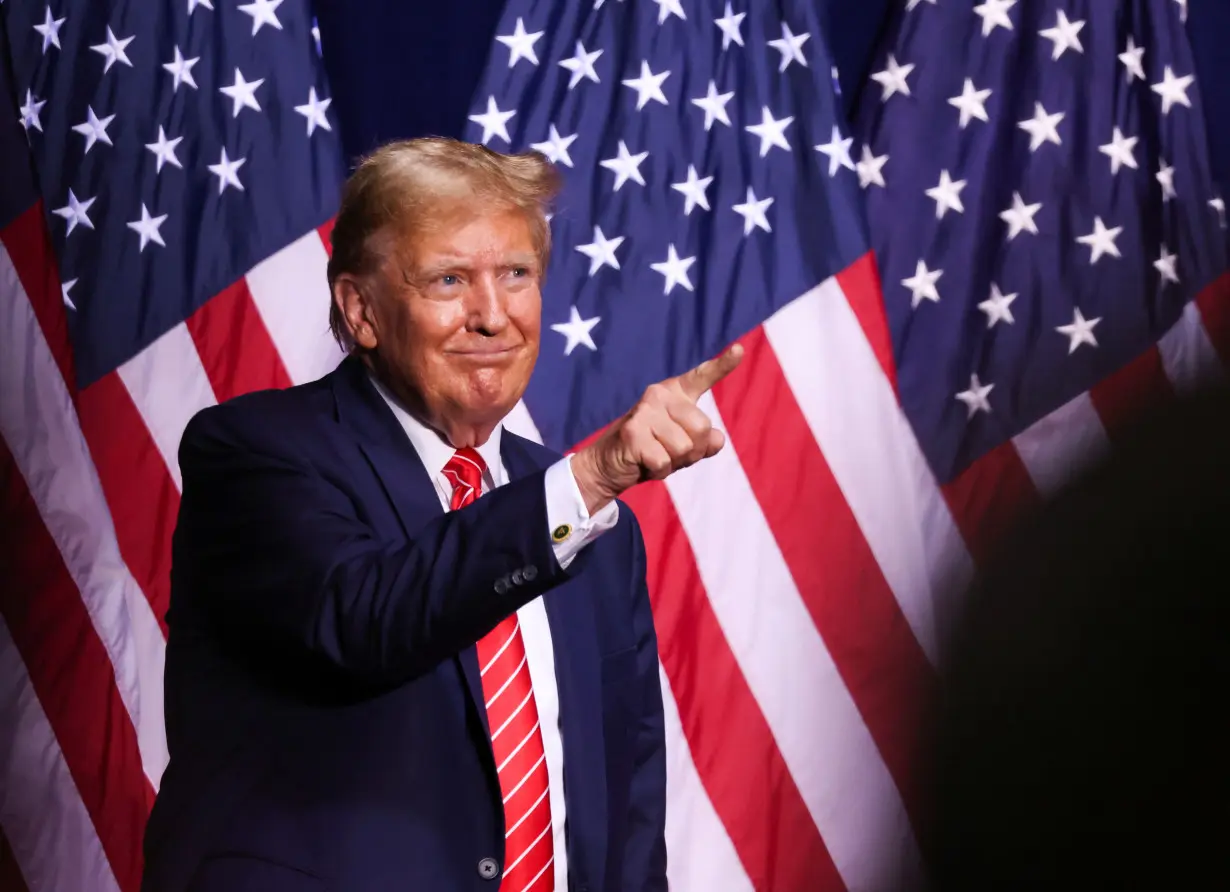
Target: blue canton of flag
pixel 176 146
pixel 695 204
pixel 1040 203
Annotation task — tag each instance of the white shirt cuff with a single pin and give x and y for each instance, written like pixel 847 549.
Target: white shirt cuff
pixel 568 521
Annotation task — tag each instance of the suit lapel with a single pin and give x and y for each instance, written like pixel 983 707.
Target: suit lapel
pixel 401 472
pixel 386 446
pixel 574 637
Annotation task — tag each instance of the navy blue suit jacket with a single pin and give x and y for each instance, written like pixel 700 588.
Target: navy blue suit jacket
pixel 323 701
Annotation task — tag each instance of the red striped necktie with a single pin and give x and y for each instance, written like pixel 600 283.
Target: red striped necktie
pixel 516 738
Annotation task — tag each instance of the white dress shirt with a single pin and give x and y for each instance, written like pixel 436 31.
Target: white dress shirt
pixel 565 505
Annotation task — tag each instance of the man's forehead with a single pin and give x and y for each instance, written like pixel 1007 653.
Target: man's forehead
pixel 472 237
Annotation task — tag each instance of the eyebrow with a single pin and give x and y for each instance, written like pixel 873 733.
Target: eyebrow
pixel 460 263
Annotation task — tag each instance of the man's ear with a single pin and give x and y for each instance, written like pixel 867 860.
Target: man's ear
pixel 353 300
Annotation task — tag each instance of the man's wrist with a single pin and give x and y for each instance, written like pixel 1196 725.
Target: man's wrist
pixel 594 492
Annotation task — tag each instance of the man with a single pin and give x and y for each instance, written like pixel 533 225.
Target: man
pixel 377 679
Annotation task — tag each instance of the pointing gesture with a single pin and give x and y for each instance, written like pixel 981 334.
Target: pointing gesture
pixel 696 382
pixel 662 433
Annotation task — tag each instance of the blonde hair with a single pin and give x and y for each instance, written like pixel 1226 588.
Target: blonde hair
pixel 403 185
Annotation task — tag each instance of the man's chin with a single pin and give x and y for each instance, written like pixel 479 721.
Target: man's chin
pixel 483 403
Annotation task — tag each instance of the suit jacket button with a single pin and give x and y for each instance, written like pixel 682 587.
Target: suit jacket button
pixel 501 586
pixel 488 868
pixel 529 573
pixel 517 577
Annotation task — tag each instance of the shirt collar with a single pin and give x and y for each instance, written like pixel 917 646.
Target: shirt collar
pixel 432 447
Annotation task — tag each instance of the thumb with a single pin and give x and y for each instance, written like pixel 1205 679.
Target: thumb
pixel 700 379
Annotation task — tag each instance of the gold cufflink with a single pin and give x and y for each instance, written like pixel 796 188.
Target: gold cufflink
pixel 561 532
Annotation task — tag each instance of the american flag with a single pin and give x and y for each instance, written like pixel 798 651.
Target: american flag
pixel 168 253
pixel 1051 242
pixel 1026 180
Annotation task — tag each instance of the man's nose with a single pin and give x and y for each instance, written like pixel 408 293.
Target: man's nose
pixel 488 309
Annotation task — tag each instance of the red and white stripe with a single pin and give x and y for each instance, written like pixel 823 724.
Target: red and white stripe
pixel 92 483
pixel 801 580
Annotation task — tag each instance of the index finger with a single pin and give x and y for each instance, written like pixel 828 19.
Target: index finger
pixel 700 379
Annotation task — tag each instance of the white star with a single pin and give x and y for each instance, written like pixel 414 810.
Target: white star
pixel 870 168
pixel 75 212
pixel 94 130
pixel 838 151
pixel 995 14
pixel 520 44
pixel 577 331
pixel 1042 127
pixel 50 29
pixel 1119 150
pixel 1219 205
pixel 1173 89
pixel 675 269
pixel 1166 265
pixel 922 284
pixel 181 70
pixel 147 228
pixel 669 8
pixel 601 251
pixel 626 166
pixel 1133 60
pixel 242 93
pixel 263 12
pixel 113 50
pixel 648 86
pixel 975 398
pixel 971 102
pixel 1165 176
pixel 1101 240
pixel 947 195
pixel 227 172
pixel 581 65
pixel 314 110
pixel 998 307
pixel 729 23
pixel 771 132
pixel 790 46
pixel 66 287
pixel 693 189
pixel 714 105
pixel 893 78
pixel 1079 332
pixel 164 149
pixel 1065 35
pixel 30 112
pixel 193 4
pixel 555 147
pixel 494 122
pixel 753 213
pixel 1020 217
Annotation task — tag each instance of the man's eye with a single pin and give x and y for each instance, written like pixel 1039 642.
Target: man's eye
pixel 520 272
pixel 449 279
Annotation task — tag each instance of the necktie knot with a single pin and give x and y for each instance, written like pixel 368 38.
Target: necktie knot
pixel 465 471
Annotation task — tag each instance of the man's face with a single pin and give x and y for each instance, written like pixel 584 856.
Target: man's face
pixel 458 318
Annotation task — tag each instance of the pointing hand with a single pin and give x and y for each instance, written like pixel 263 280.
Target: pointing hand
pixel 662 433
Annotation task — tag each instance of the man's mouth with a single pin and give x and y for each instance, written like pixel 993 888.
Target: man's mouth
pixel 485 352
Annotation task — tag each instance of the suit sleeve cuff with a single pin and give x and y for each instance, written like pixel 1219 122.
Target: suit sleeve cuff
pixel 569 523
